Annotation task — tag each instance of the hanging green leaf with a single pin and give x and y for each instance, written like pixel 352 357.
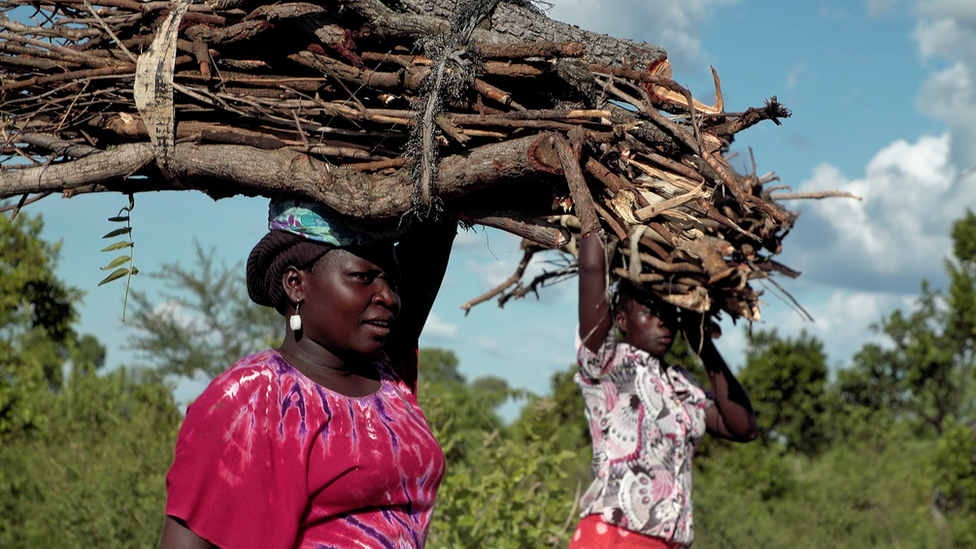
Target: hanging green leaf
pixel 117 246
pixel 114 276
pixel 117 261
pixel 117 232
pixel 122 217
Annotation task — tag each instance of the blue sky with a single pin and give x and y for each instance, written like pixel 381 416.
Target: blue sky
pixel 883 94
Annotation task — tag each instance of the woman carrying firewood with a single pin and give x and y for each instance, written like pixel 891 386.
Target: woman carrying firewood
pixel 320 442
pixel 646 416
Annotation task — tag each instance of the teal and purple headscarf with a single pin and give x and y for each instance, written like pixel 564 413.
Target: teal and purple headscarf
pixel 316 221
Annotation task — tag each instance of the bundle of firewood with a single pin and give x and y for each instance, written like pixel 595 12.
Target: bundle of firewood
pixel 487 111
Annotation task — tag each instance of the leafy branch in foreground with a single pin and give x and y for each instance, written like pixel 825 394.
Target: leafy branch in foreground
pixel 127 244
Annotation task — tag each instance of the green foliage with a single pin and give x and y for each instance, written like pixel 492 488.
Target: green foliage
pixel 36 314
pixel 82 455
pixel 115 266
pixel 863 493
pixel 506 487
pixel 786 380
pixel 927 372
pixel 460 415
pixel 505 495
pixel 895 460
pixel 954 469
pixel 439 366
pixel 882 456
pixel 961 321
pixel 206 322
pixel 93 476
pixel 559 415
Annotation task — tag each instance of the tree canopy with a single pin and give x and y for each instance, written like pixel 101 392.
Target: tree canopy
pixel 82 451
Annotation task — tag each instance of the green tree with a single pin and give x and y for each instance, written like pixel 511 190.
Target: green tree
pixel 560 414
pixel 460 414
pixel 786 380
pixel 36 314
pixel 205 323
pixel 439 366
pixel 83 453
pixel 94 475
pixel 501 490
pixel 925 372
pixel 953 467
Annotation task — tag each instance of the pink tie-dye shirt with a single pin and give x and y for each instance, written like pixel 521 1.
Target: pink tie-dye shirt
pixel 646 419
pixel 267 458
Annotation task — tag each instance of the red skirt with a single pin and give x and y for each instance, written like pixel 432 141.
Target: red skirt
pixel 594 533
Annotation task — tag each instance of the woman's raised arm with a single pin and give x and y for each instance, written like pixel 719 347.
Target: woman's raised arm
pixel 732 417
pixel 423 254
pixel 595 320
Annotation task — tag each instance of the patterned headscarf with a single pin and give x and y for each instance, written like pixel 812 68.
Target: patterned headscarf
pixel 321 223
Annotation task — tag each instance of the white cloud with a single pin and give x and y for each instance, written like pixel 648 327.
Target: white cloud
pixel 438 330
pixel 878 8
pixel 899 231
pixel 946 31
pixel 491 274
pixel 794 76
pixel 674 26
pixel 842 320
pixel 489 345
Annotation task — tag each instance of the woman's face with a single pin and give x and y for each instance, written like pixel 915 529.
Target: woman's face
pixel 647 329
pixel 351 300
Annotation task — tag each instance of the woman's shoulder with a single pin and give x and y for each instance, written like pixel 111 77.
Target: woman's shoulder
pixel 260 364
pixel 253 374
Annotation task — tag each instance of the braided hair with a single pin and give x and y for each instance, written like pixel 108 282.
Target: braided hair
pixel 269 259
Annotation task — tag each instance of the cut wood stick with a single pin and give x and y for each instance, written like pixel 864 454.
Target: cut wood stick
pixel 378 165
pixel 644 214
pixel 660 174
pixel 495 94
pixel 545 234
pixel 652 245
pixel 672 165
pixel 613 182
pixel 664 266
pixel 519 271
pixel 816 195
pixel 348 73
pixel 608 218
pixel 577 186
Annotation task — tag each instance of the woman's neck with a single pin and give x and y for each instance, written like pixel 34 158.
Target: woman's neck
pixel 353 377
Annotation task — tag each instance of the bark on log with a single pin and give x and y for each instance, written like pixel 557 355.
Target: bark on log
pixel 235 169
pixel 514 22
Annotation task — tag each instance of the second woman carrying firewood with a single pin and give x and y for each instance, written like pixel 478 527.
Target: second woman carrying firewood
pixel 646 416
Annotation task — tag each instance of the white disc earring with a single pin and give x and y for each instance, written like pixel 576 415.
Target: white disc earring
pixel 295 320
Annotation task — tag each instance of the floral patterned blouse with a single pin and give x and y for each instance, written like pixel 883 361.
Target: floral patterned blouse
pixel 646 419
pixel 268 458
